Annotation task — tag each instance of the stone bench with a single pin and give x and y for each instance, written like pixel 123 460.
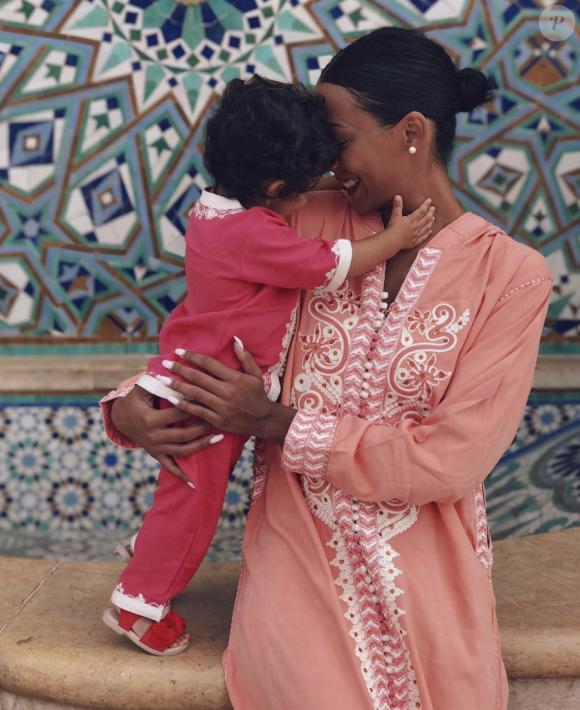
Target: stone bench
pixel 55 652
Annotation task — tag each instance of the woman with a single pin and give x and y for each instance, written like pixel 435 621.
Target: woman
pixel 367 560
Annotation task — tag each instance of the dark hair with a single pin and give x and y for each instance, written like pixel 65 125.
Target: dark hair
pixel 265 130
pixel 393 71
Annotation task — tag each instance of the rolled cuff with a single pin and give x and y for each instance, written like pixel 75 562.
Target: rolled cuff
pixel 113 434
pixel 343 251
pixel 138 605
pixel 308 443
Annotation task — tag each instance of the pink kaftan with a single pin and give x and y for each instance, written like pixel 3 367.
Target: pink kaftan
pixel 367 559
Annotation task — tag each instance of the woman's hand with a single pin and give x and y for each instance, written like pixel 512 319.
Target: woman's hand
pixel 135 416
pixel 227 399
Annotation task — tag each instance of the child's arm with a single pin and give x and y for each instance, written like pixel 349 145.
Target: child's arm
pixel 401 233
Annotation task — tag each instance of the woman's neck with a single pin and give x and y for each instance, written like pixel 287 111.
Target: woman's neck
pixel 438 188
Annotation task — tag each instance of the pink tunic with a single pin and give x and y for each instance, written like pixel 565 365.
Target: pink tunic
pixel 367 559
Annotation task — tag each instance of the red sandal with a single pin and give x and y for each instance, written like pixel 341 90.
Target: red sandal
pixel 156 640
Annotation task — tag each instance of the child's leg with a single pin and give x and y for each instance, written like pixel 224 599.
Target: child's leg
pixel 177 530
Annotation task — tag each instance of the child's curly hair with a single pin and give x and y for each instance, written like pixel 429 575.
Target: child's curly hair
pixel 265 130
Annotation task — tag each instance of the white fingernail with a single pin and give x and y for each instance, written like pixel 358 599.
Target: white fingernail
pixel 239 342
pixel 179 351
pixel 168 364
pixel 165 380
pixel 190 484
pixel 216 438
pixel 173 400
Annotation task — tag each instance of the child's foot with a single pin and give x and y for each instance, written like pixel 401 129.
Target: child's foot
pixel 143 624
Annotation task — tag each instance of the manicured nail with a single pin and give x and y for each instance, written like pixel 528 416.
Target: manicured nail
pixel 180 352
pixel 239 342
pixel 173 401
pixel 168 364
pixel 397 198
pixel 190 484
pixel 165 380
pixel 216 438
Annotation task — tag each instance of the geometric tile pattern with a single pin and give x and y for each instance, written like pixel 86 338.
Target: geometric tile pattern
pixel 65 491
pixel 102 106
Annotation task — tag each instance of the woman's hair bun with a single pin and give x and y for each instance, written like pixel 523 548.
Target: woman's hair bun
pixel 474 89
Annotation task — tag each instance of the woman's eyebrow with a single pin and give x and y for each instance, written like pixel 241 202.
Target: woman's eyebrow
pixel 337 125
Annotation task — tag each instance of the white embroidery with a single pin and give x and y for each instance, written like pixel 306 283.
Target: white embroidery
pixel 204 212
pixel 276 372
pixel 138 604
pixel 413 373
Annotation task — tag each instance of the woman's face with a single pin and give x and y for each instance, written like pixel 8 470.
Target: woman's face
pixel 376 157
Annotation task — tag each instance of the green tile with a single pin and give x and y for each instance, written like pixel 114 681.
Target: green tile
pixel 267 11
pixel 192 60
pixel 118 7
pixel 135 35
pixel 162 54
pixel 251 39
pixel 224 56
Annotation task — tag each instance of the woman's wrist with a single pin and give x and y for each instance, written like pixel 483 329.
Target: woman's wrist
pixel 277 423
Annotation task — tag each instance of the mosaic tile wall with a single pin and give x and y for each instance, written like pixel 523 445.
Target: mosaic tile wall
pixel 69 493
pixel 102 104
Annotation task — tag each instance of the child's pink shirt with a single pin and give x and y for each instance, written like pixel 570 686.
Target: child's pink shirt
pixel 244 271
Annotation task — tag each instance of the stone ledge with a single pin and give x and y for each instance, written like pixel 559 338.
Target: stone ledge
pixel 100 373
pixel 55 652
pixel 57 649
pixel 537 585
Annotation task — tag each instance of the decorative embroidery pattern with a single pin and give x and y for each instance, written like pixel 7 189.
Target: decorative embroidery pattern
pixel 138 605
pixel 204 212
pixel 325 350
pixel 342 248
pixel 524 285
pixel 367 574
pixel 483 543
pixel 413 373
pixel 308 443
pixel 260 468
pixel 382 351
pixel 276 372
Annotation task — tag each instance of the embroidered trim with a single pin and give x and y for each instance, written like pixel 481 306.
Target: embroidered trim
pixel 413 373
pixel 483 543
pixel 138 605
pixel 212 206
pixel 111 430
pixel 149 382
pixel 367 574
pixel 337 276
pixel 260 467
pixel 524 285
pixel 382 354
pixel 325 350
pixel 371 289
pixel 307 445
pixel 276 372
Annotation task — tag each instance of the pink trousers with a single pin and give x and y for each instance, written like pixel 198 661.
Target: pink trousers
pixel 178 529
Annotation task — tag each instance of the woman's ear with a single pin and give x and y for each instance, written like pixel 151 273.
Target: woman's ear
pixel 416 128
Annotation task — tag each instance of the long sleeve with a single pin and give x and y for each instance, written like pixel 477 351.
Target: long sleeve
pixel 113 434
pixel 273 254
pixel 455 447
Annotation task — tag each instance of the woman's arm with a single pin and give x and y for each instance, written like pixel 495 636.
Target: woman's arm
pixel 131 420
pixel 458 444
pixel 227 399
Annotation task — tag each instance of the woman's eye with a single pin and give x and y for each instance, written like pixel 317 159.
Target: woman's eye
pixel 342 144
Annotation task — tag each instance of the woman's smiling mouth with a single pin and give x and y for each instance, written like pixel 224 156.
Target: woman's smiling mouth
pixel 351 185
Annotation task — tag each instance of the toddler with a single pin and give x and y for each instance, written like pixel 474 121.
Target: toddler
pixel 266 145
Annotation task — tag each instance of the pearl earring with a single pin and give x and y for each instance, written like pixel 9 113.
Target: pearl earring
pixel 412 150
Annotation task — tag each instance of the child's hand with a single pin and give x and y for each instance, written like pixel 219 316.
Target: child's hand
pixel 414 229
